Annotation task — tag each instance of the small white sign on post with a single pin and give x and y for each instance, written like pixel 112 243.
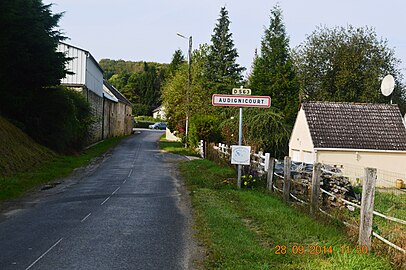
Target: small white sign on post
pixel 240 155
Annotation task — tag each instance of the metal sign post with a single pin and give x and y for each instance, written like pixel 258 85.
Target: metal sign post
pixel 239 143
pixel 238 100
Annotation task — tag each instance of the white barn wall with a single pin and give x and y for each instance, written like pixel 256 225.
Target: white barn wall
pixel 77 65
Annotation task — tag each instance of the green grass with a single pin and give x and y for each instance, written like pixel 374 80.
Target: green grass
pixel 18 152
pixel 242 229
pixel 176 147
pixel 16 185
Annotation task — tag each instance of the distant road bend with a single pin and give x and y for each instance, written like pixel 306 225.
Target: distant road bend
pixel 127 212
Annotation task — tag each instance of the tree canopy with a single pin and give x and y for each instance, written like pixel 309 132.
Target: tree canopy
pixel 346 64
pixel 28 42
pixel 30 72
pixel 140 82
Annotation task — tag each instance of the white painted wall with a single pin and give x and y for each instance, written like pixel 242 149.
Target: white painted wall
pixel 301 146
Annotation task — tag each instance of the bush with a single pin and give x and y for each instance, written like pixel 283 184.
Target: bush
pixel 59 118
pixel 204 127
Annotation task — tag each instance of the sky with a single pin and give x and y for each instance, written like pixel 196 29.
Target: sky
pixel 145 30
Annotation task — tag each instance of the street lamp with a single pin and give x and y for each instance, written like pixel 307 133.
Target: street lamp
pixel 188 84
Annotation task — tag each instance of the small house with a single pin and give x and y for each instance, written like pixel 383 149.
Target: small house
pixel 352 136
pixel 159 113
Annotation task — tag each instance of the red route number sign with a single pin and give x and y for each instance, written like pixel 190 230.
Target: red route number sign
pixel 241 101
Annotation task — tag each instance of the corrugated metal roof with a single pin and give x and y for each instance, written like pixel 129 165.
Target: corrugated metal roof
pixel 116 93
pixel 355 126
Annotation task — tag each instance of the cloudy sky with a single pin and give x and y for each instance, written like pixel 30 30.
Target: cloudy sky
pixel 146 29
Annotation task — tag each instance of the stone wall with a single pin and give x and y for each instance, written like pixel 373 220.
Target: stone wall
pixel 118 119
pixel 114 120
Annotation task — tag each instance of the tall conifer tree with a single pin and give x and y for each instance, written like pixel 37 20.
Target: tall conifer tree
pixel 223 70
pixel 273 71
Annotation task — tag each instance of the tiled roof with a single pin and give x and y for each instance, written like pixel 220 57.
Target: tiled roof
pixel 355 125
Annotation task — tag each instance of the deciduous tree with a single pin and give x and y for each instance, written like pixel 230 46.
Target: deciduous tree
pixel 347 64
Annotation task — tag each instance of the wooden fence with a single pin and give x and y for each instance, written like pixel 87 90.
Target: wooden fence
pixel 266 165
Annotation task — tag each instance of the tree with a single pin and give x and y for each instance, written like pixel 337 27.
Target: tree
pixel 28 57
pixel 222 70
pixel 273 71
pixel 177 60
pixel 175 88
pixel 347 64
pixel 262 129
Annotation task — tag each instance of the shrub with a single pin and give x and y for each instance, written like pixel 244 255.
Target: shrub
pixel 204 127
pixel 59 118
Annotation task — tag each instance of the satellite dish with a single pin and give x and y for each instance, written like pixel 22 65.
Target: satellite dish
pixel 387 85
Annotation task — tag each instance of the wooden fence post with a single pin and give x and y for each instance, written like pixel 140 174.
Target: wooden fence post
pixel 367 207
pixel 269 177
pixel 315 192
pixel 286 180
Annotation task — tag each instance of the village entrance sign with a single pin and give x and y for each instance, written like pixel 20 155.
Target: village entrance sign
pixel 240 98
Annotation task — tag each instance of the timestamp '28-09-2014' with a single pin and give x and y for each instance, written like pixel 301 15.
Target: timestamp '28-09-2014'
pixel 319 249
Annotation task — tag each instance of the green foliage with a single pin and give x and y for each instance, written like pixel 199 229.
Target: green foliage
pixel 347 64
pixel 241 229
pixel 59 118
pixel 28 56
pixel 18 152
pixel 115 67
pixel 273 71
pixel 140 82
pixel 262 129
pixel 222 70
pixel 204 127
pixel 49 170
pixel 178 59
pixel 176 148
pixel 174 92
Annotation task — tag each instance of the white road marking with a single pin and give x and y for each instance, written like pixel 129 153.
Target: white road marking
pixel 86 217
pixel 125 180
pixel 114 192
pixel 130 173
pixel 45 253
pixel 105 200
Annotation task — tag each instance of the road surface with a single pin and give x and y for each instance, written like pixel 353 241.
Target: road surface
pixel 125 212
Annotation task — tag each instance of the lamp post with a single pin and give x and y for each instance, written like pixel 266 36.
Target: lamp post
pixel 188 84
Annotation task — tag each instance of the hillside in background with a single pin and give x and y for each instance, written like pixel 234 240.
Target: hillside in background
pixel 111 67
pixel 18 152
pixel 140 82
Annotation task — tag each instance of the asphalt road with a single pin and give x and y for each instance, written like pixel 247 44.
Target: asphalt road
pixel 125 212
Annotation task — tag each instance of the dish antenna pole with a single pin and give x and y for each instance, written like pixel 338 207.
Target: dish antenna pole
pixel 387 86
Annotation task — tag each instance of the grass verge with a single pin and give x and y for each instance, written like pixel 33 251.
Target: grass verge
pixel 248 229
pixel 16 185
pixel 175 147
